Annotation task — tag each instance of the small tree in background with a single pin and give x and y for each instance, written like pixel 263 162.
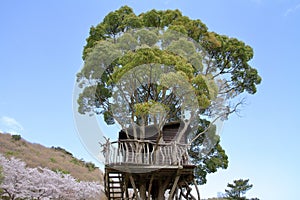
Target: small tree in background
pixel 238 189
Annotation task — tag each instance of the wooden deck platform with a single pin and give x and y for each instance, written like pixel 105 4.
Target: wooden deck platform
pixel 138 168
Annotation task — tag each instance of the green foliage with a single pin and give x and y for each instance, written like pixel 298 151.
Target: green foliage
pixel 151 107
pixel 11 153
pixel 16 137
pixel 91 166
pixel 53 160
pixel 62 150
pixel 206 152
pixel 59 170
pixel 236 190
pixel 229 55
pixel 76 161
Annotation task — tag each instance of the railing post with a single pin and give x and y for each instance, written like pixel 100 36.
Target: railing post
pixel 133 151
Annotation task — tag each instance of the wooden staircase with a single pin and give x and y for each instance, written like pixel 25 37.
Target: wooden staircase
pixel 114 185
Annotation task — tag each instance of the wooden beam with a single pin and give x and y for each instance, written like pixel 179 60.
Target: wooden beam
pixel 174 185
pixel 126 186
pixel 134 187
pixel 150 186
pixel 197 189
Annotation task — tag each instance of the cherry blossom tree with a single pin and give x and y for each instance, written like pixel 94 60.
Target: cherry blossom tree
pixel 15 178
pixel 21 182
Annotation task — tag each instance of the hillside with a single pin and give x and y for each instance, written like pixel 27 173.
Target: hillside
pixel 54 158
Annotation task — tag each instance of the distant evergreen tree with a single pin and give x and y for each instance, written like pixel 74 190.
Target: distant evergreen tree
pixel 238 189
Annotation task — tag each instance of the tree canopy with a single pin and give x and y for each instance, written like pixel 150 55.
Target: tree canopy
pixel 162 66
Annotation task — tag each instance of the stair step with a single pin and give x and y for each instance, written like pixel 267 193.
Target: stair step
pixel 114 186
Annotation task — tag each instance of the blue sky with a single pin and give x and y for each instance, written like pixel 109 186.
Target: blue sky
pixel 40 52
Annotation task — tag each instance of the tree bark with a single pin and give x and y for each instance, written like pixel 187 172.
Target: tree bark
pixel 161 194
pixel 142 190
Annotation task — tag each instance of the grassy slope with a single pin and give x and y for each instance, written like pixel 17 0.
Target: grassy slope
pixel 56 159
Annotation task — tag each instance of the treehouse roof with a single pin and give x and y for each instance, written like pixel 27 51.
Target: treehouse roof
pixel 169 132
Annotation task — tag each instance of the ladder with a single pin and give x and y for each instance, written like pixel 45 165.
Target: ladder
pixel 114 185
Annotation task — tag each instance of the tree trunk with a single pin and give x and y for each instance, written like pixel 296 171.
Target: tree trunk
pixel 160 194
pixel 143 191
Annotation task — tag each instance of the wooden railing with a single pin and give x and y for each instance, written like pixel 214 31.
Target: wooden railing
pixel 142 152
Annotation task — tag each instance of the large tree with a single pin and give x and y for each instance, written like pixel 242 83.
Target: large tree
pixel 162 66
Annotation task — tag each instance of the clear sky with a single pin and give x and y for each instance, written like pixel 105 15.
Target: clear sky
pixel 41 45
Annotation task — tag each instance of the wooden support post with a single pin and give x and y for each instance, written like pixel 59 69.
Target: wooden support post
pixel 197 189
pixel 150 186
pixel 175 184
pixel 134 187
pixel 126 186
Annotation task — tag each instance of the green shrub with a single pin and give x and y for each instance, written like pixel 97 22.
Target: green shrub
pixel 90 166
pixel 76 162
pixel 58 170
pixel 11 153
pixel 16 137
pixel 62 150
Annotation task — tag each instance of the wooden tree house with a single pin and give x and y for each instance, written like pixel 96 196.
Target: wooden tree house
pixel 147 164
